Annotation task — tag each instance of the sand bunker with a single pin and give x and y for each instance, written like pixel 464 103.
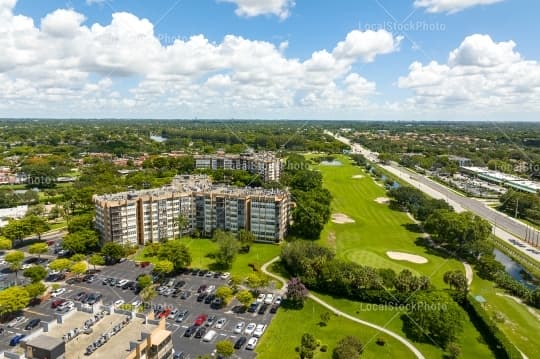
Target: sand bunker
pixel 413 258
pixel 358 176
pixel 341 218
pixel 382 200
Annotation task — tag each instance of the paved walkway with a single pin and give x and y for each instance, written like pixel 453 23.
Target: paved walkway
pixel 336 311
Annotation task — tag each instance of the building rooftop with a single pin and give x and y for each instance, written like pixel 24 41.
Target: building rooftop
pixel 45 342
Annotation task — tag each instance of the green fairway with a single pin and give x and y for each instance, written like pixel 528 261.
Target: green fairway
pixel 377 228
pixel 287 328
pixel 519 325
pixel 201 250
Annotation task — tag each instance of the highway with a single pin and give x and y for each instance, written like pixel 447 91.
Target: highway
pixel 504 226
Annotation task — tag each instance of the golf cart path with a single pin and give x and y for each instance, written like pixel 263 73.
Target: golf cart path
pixel 336 311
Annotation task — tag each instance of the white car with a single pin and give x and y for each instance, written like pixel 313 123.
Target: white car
pixel 3 262
pixel 259 330
pixel 66 306
pixel 136 303
pixel 16 321
pixel 58 292
pixel 209 336
pixel 26 266
pixel 225 275
pixel 121 282
pixel 278 300
pixel 221 323
pixel 250 328
pixel 252 343
pixel 269 298
pixel 119 302
pixel 53 272
pixel 210 289
pixel 260 298
pixel 239 327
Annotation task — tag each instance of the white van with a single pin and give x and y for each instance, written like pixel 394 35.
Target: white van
pixel 209 336
pixel 121 282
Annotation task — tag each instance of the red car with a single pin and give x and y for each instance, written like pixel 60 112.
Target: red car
pixel 164 314
pixel 57 302
pixel 201 319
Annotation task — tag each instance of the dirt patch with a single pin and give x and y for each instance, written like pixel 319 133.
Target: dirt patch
pixel 340 218
pixel 400 256
pixel 382 200
pixel 358 176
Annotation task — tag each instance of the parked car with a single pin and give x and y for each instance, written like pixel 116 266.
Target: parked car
pixel 66 306
pixel 201 319
pixel 216 303
pixel 240 343
pixel 259 330
pixel 263 308
pixel 16 321
pixel 250 328
pixel 32 324
pixel 121 282
pixel 16 339
pixel 260 298
pixel 201 297
pixel 269 298
pixel 210 321
pixel 202 288
pixel 164 314
pixel 239 327
pixel 181 316
pixel 80 296
pixel 185 294
pixel 278 300
pixel 274 309
pixel 253 307
pixel 220 323
pixel 56 303
pixel 225 275
pixel 252 343
pixel 190 331
pixel 136 303
pixel 179 355
pixel 209 298
pixel 180 284
pixel 119 302
pixel 58 292
pixel 200 332
pixel 210 289
pixel 209 336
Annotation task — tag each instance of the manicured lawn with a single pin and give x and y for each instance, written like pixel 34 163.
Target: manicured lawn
pixel 520 326
pixel 377 228
pixel 391 319
pixel 287 328
pixel 201 250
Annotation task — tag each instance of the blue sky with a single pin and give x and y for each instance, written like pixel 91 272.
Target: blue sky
pixel 372 81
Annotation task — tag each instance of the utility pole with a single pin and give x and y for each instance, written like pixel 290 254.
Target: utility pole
pixel 517 206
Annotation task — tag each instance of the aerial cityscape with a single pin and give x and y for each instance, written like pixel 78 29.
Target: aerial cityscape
pixel 239 179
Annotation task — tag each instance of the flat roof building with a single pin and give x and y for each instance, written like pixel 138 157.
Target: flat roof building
pixel 147 216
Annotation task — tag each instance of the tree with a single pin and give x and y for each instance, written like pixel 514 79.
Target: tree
pixel 244 297
pixel 60 264
pixel 176 252
pixel 436 316
pixel 228 248
pixel 325 318
pixel 80 223
pixel 16 230
pixel 83 241
pixel 78 257
pixel 256 281
pixel 38 248
pixel 113 251
pixel 245 237
pixel 454 350
pixel 15 259
pixel 13 299
pixel 147 294
pixel 225 294
pixel 296 292
pixel 35 289
pixel 456 280
pixel 35 273
pixel 163 267
pixel 225 348
pixel 348 348
pixel 144 281
pixel 36 225
pixel 182 222
pixel 78 268
pixel 96 260
pixel 5 243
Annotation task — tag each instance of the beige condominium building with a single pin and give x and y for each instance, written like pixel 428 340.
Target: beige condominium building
pixel 266 164
pixel 146 216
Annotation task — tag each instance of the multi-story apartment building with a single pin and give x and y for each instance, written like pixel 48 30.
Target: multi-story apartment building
pixel 265 164
pixel 147 216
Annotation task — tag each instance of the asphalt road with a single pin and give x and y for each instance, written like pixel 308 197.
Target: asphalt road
pixel 505 227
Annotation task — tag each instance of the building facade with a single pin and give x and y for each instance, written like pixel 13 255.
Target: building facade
pixel 149 216
pixel 265 164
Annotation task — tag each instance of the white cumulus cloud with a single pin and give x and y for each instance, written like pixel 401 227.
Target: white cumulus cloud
pixel 250 8
pixel 451 6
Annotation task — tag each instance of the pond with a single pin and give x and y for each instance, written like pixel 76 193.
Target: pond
pixel 158 138
pixel 513 268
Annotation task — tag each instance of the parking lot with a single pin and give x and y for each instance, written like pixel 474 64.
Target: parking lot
pixel 192 346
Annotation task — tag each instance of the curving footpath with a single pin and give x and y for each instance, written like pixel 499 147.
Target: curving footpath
pixel 336 311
